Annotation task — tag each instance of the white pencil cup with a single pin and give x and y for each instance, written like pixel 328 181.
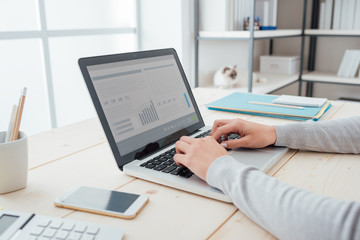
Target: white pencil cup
pixel 13 163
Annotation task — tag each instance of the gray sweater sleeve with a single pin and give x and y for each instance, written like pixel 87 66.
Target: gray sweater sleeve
pixel 290 212
pixel 287 212
pixel 341 135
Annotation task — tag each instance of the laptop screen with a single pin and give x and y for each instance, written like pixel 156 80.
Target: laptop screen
pixel 146 102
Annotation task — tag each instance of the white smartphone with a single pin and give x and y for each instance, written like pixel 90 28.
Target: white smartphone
pixel 101 201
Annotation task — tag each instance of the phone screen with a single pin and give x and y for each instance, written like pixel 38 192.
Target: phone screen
pixel 101 199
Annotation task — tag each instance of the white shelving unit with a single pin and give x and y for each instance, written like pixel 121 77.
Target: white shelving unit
pixel 328 77
pixel 275 81
pixel 313 76
pixel 333 33
pixel 245 35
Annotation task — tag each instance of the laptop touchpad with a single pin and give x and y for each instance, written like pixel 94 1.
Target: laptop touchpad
pixel 255 157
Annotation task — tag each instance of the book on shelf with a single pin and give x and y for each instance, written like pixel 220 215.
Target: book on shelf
pixel 328 14
pixel 266 10
pixel 350 14
pixel 357 16
pixel 336 15
pixel 350 64
pixel 322 15
pixel 230 15
pixel 339 14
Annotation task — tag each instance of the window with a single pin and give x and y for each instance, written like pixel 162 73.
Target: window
pixel 40 44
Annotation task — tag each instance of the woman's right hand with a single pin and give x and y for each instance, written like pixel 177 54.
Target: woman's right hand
pixel 252 135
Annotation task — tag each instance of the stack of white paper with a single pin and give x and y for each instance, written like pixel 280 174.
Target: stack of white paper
pixel 300 101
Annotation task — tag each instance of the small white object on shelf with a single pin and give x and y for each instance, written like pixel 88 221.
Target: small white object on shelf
pixel 280 64
pixel 349 64
pixel 300 101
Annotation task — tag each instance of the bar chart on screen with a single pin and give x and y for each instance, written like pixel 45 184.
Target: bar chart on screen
pixel 147 113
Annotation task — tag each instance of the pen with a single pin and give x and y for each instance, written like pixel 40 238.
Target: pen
pixel 276 105
pixel 11 123
pixel 15 130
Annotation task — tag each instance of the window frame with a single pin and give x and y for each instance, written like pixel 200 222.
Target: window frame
pixel 44 35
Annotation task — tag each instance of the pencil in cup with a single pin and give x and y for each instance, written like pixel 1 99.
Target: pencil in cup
pixel 15 130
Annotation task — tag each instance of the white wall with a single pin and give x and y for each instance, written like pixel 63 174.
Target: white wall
pixel 168 24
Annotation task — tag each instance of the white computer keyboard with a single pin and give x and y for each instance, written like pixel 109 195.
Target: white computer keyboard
pixel 18 225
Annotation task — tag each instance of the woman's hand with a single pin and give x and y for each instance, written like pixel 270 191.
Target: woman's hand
pixel 253 135
pixel 198 154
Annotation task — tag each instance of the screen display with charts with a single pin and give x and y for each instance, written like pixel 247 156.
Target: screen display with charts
pixel 143 100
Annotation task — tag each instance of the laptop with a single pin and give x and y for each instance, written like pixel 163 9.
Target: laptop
pixel 145 104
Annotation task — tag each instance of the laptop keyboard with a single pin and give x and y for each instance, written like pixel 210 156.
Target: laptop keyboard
pixel 166 164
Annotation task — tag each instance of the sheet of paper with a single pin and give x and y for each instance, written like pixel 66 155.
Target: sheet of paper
pixel 300 101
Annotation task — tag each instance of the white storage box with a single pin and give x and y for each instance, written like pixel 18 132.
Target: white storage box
pixel 280 64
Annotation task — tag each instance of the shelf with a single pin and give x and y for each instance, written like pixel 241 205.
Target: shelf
pixel 332 33
pixel 274 82
pixel 245 35
pixel 327 77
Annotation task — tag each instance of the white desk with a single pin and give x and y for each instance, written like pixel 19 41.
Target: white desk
pixel 78 154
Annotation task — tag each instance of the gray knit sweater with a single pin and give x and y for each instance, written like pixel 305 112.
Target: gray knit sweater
pixel 289 212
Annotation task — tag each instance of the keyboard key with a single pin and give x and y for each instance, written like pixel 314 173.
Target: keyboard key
pixel 61 234
pixel 92 230
pixel 186 174
pixel 56 224
pixel 50 232
pixel 150 166
pixel 168 162
pixel 80 228
pixel 68 226
pixel 74 236
pixel 160 167
pixel 233 136
pixel 44 222
pixel 37 231
pixel 169 169
pixel 177 171
pixel 157 162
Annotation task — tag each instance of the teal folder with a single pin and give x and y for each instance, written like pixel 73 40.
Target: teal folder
pixel 240 103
